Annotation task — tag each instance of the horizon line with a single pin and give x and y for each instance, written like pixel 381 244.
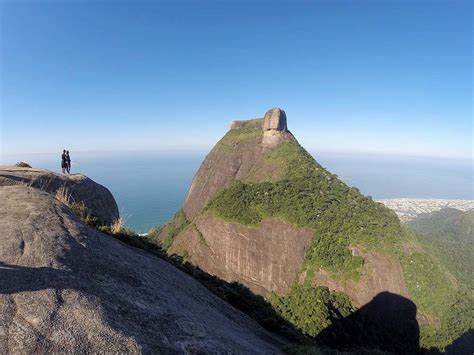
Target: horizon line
pixel 205 150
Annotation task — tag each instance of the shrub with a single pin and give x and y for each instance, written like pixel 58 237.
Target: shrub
pixel 312 309
pixel 22 164
pixel 117 226
pixel 78 208
pixel 339 216
pixel 83 213
pixel 63 195
pixel 164 235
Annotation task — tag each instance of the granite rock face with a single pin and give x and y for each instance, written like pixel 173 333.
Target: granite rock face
pixel 239 155
pixel 380 273
pixel 255 122
pixel 274 128
pixel 97 198
pixel 66 288
pixel 269 256
pixel 275 119
pixel 265 258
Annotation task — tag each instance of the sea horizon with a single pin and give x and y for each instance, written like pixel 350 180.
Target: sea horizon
pixel 150 187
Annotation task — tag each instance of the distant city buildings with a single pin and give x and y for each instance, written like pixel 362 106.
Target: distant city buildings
pixel 409 208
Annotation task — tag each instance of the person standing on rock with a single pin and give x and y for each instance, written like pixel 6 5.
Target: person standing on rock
pixel 64 161
pixel 68 162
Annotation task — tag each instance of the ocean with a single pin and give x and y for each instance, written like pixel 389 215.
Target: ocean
pixel 150 187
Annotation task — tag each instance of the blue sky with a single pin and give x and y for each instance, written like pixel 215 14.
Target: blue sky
pixel 389 77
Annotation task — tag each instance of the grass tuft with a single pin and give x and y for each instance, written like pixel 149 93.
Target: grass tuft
pixel 22 164
pixel 78 208
pixel 63 195
pixel 117 226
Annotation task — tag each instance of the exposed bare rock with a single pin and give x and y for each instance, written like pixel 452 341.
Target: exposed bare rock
pixel 218 170
pixel 274 127
pixel 275 119
pixel 255 122
pixel 239 155
pixel 380 273
pixel 97 198
pixel 266 258
pixel 269 256
pixel 261 211
pixel 66 288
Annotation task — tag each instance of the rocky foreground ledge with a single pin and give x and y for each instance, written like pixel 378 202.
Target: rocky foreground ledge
pixel 96 198
pixel 65 287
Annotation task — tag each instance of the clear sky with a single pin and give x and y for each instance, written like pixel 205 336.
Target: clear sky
pixel 384 76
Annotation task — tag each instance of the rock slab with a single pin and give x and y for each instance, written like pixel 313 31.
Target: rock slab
pixel 96 198
pixel 66 288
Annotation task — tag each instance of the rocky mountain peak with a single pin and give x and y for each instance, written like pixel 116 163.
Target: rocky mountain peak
pixel 275 119
pixel 274 128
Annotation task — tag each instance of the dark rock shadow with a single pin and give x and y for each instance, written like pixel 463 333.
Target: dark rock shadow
pixel 14 279
pixel 464 345
pixel 387 323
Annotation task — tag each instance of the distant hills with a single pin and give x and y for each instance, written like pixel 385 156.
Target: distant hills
pixel 449 234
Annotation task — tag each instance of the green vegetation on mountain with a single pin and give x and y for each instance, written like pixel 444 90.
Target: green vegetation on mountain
pixel 456 317
pixel 170 230
pixel 311 309
pixel 286 183
pixel 296 162
pixel 426 281
pixel 250 130
pixel 449 235
pixel 446 303
pixel 447 223
pixel 309 196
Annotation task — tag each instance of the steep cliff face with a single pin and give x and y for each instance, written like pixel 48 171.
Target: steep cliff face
pixel 66 288
pixel 261 211
pixel 239 155
pixel 269 253
pixel 266 257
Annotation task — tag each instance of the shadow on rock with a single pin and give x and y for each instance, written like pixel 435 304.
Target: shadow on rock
pixel 464 345
pixel 14 279
pixel 388 323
